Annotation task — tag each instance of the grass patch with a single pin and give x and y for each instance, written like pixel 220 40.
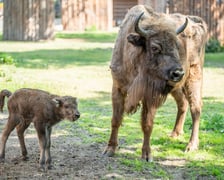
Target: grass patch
pixel 214 60
pixel 64 58
pixel 89 36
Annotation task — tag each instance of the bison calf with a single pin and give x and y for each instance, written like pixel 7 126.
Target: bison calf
pixel 44 110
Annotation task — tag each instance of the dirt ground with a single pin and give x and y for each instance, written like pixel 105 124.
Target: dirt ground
pixel 71 159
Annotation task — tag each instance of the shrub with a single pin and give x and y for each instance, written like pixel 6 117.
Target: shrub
pixel 6 59
pixel 212 46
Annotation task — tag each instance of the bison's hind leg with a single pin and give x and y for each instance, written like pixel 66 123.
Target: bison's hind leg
pixel 182 106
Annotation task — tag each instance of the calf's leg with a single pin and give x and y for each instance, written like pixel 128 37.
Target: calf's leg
pixel 118 111
pixel 42 143
pixel 13 120
pixel 20 132
pixel 182 106
pixel 48 146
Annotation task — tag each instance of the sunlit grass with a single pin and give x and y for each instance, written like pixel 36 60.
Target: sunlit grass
pixel 89 36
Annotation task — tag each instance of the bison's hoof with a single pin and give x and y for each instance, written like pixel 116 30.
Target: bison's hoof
pixel 148 158
pixel 191 147
pixel 175 134
pixel 109 151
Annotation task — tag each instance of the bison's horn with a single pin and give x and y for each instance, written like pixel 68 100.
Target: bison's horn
pixel 141 31
pixel 181 28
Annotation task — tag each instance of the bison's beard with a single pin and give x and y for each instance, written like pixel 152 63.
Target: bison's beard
pixel 153 91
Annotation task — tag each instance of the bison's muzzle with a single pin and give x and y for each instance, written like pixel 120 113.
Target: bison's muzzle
pixel 76 116
pixel 176 75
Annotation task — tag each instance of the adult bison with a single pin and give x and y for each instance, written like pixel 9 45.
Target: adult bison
pixel 156 54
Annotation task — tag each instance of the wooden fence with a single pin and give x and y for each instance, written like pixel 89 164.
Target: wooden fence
pixel 212 11
pixel 103 14
pixel 81 15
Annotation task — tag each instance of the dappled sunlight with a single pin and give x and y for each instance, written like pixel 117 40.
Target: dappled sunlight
pixel 62 58
pixel 100 130
pixel 127 150
pixel 83 83
pixel 57 44
pixel 173 162
pixel 212 83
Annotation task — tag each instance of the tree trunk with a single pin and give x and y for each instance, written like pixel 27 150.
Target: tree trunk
pixel 28 20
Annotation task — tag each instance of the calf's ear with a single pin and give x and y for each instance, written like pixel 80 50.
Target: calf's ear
pixel 58 101
pixel 136 39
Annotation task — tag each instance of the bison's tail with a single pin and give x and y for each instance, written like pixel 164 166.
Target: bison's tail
pixel 4 93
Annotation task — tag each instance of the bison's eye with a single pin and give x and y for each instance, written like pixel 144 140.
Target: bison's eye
pixel 155 49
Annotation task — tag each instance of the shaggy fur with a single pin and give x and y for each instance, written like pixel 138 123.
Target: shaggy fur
pixel 149 64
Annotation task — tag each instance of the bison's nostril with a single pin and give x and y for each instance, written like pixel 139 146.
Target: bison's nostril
pixel 176 75
pixel 77 115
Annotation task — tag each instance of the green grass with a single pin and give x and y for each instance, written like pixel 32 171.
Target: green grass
pixel 42 59
pixel 89 36
pixel 77 67
pixel 214 60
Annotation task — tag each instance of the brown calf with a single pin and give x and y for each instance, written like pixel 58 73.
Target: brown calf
pixel 44 110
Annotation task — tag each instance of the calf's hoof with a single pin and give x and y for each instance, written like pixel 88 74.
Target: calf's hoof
pixel 41 169
pixel 148 158
pixel 2 159
pixel 49 167
pixel 25 158
pixel 109 151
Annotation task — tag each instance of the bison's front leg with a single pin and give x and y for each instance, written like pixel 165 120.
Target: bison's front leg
pixel 118 111
pixel 147 126
pixel 182 106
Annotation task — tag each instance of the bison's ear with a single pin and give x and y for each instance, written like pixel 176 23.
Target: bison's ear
pixel 136 39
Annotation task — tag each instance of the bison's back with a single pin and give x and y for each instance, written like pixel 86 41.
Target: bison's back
pixel 195 35
pixel 30 102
